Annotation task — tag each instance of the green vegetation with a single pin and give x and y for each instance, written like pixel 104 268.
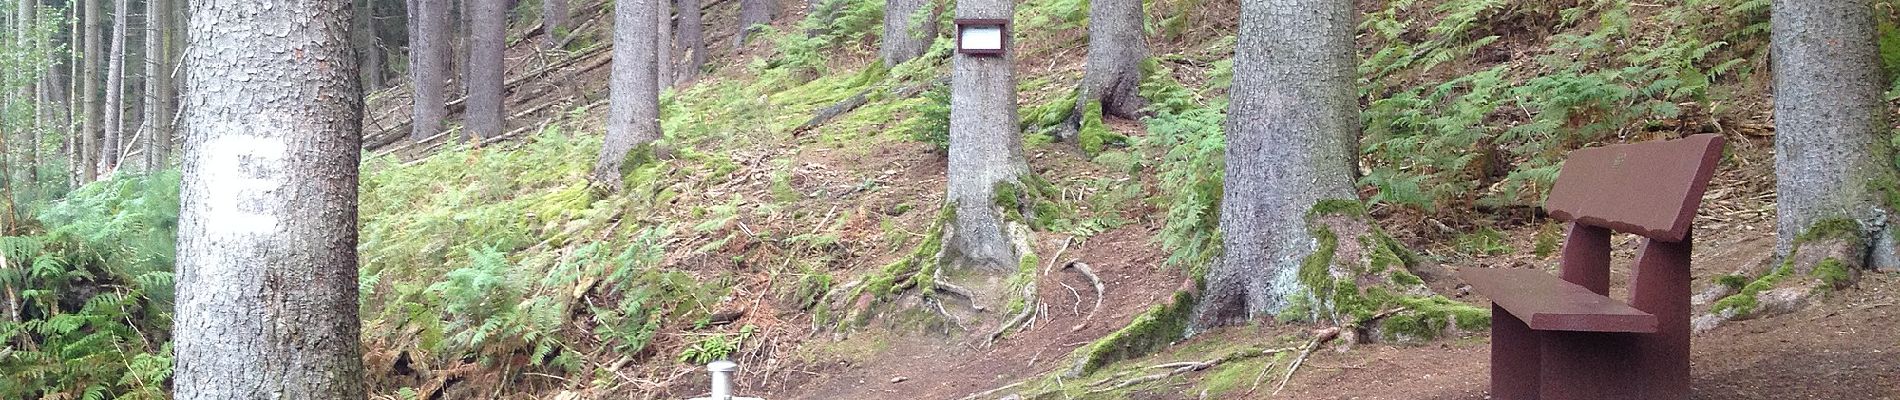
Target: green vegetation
pixel 94 286
pixel 1160 326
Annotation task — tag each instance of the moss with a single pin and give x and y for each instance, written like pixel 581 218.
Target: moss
pixel 1732 281
pixel 1160 326
pixel 1743 303
pixel 1050 113
pixel 922 261
pixel 1833 272
pixel 1404 277
pixel 1093 134
pixel 1831 228
pixel 1339 207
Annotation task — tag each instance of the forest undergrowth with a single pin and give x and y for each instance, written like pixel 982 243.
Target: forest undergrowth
pixel 498 269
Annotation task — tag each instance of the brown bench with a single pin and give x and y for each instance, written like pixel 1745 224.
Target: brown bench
pixel 1556 338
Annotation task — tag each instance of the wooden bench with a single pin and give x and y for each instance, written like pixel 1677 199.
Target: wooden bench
pixel 1563 337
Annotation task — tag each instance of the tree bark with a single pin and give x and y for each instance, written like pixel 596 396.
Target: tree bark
pixel 633 119
pixel 32 92
pixel 752 14
pixel 554 21
pixel 488 35
pixel 909 27
pixel 1832 158
pixel 267 266
pixel 92 128
pixel 115 91
pixel 663 45
pixel 1292 133
pixel 428 67
pixel 985 149
pixel 1117 46
pixel 158 78
pixel 691 38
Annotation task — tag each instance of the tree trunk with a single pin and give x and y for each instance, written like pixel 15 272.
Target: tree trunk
pixel 32 93
pixel 158 77
pixel 985 149
pixel 554 21
pixel 93 127
pixel 115 91
pixel 367 39
pixel 267 266
pixel 428 67
pixel 1117 47
pixel 633 120
pixel 691 38
pixel 663 45
pixel 488 35
pixel 1291 142
pixel 752 14
pixel 909 27
pixel 1832 158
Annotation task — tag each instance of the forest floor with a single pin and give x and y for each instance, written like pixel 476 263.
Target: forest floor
pixel 1843 347
pixel 856 182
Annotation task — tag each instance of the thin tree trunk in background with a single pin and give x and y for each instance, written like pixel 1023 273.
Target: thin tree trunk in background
pixel 663 44
pixel 633 119
pixel 366 38
pixel 909 27
pixel 1117 47
pixel 158 74
pixel 267 232
pixel 691 38
pixel 428 67
pixel 1831 148
pixel 70 145
pixel 92 126
pixel 752 14
pixel 554 21
pixel 115 91
pixel 1292 133
pixel 985 149
pixel 32 92
pixel 488 30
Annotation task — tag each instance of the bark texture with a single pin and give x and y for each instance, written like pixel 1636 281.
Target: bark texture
pixel 428 67
pixel 554 20
pixel 1117 46
pixel 985 149
pixel 267 268
pixel 633 119
pixel 158 81
pixel 488 35
pixel 92 127
pixel 1291 139
pixel 110 149
pixel 691 39
pixel 663 43
pixel 752 14
pixel 1832 159
pixel 909 27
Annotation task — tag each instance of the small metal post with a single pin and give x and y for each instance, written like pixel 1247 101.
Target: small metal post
pixel 722 378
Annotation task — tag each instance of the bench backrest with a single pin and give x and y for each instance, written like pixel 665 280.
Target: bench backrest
pixel 1650 189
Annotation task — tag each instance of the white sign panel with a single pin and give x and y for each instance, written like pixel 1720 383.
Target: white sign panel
pixel 981 37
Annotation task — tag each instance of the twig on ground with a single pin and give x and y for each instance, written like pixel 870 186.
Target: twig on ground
pixel 1324 336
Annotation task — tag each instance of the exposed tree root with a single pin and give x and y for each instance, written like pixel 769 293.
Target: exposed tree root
pixel 1324 336
pixel 1100 290
pixel 1178 368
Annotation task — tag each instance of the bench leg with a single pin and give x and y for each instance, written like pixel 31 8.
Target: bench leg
pixel 1590 366
pixel 1661 287
pixel 1515 353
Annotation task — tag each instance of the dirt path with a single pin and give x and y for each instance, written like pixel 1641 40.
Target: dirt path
pixel 1129 266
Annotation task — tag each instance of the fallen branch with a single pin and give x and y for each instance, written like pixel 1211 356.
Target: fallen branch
pixel 986 393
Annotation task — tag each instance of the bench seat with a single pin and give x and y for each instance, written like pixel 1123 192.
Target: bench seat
pixel 1548 303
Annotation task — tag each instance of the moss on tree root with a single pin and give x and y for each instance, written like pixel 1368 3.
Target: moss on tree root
pixel 1160 326
pixel 1376 291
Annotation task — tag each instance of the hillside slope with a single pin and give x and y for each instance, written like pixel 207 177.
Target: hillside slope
pixel 493 271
